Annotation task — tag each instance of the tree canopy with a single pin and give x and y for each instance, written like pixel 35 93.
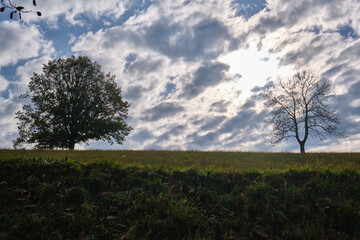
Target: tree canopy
pixel 300 108
pixel 72 101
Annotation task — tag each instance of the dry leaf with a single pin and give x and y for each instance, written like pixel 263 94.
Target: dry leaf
pixel 262 233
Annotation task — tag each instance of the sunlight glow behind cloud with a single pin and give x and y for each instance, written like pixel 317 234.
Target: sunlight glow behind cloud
pixel 255 67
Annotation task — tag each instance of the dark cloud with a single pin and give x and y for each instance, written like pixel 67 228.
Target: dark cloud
pixel 209 74
pixel 343 73
pixel 305 54
pixel 348 110
pixel 281 45
pixel 259 141
pixel 350 54
pixel 241 128
pixel 142 135
pixel 143 66
pixel 258 89
pixel 135 92
pixel 335 70
pixel 247 116
pixel 317 29
pixel 205 40
pixel 163 110
pixel 219 106
pixel 173 131
pixel 116 35
pixel 293 13
pixel 202 141
pixel 212 123
pixel 129 59
pixel 242 120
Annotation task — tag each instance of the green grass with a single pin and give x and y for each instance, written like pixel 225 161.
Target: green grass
pixel 178 195
pixel 214 161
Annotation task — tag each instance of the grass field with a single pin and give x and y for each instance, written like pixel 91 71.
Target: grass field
pixel 214 161
pixel 178 195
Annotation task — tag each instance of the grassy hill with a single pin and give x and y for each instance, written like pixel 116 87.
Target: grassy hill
pixel 200 160
pixel 178 195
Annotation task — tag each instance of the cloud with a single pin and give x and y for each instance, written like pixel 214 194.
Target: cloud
pixel 143 66
pixel 219 106
pixel 289 27
pixel 74 11
pixel 163 110
pixel 290 15
pixel 135 92
pixel 7 123
pixel 142 135
pixel 240 131
pixel 351 53
pixel 348 108
pixel 205 40
pixel 207 75
pixel 212 123
pixel 258 89
pixel 3 84
pixel 206 141
pixel 176 130
pixel 20 41
pixel 232 133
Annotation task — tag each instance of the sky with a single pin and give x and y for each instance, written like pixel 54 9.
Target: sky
pixel 192 70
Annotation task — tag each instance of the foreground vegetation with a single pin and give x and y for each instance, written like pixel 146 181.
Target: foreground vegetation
pixel 54 198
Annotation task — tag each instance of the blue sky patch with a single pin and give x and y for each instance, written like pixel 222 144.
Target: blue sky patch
pixel 129 59
pixel 169 88
pixel 248 8
pixel 347 31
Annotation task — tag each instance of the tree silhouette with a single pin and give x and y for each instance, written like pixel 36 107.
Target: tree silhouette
pixel 73 101
pixel 299 109
pixel 14 9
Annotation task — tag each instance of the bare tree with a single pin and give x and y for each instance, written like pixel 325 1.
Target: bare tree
pixel 299 108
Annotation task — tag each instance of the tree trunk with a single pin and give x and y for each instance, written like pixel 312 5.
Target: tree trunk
pixel 71 144
pixel 302 146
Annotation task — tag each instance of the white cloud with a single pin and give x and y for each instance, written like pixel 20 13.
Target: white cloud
pixel 20 41
pixel 72 11
pixel 3 84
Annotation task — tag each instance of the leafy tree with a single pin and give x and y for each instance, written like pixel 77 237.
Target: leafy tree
pixel 300 108
pixel 73 101
pixel 16 9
